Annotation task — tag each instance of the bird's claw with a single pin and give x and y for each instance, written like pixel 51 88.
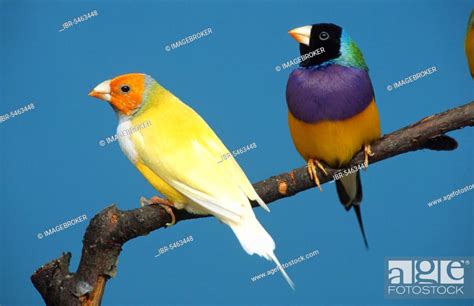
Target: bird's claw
pixel 170 213
pixel 164 203
pixel 367 152
pixel 312 164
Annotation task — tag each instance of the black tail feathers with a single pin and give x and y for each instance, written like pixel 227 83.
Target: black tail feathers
pixel 349 190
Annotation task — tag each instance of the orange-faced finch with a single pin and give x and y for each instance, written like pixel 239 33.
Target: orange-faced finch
pixel 179 155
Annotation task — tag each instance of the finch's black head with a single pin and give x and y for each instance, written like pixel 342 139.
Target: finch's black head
pixel 317 36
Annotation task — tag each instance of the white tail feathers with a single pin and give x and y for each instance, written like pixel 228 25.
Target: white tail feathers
pixel 261 203
pixel 280 267
pixel 254 239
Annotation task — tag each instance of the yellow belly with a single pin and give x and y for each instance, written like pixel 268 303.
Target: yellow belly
pixel 164 188
pixel 335 142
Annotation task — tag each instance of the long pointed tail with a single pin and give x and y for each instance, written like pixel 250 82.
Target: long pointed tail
pixel 349 190
pixel 254 239
pixel 361 224
pixel 280 267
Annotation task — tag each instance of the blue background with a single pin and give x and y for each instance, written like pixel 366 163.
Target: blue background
pixel 53 168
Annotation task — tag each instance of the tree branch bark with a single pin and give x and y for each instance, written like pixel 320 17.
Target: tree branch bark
pixel 111 228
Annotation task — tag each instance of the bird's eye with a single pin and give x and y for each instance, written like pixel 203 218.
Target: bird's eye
pixel 323 35
pixel 125 88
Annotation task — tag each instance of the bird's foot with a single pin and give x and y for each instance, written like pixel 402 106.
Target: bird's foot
pixel 164 203
pixel 367 152
pixel 312 164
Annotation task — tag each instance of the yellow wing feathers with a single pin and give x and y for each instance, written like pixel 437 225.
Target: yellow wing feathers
pixel 182 154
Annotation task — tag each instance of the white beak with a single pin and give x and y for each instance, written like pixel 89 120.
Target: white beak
pixel 102 91
pixel 301 34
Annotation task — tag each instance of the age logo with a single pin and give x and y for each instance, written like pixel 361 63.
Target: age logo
pixel 429 278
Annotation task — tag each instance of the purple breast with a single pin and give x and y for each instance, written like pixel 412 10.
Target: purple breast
pixel 332 92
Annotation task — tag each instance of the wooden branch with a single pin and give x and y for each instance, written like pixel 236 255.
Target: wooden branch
pixel 111 228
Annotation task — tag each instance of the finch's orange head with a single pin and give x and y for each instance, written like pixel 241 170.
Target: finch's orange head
pixel 124 93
